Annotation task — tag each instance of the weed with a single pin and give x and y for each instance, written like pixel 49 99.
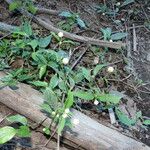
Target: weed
pixel 70 20
pixel 8 132
pixel 49 71
pixel 21 4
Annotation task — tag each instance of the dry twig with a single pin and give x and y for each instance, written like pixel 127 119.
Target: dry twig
pixel 88 40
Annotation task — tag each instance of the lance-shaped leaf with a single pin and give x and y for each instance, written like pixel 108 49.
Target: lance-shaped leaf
pixel 6 134
pixel 84 95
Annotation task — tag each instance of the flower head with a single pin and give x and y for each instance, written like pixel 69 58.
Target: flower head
pixel 110 69
pixel 67 110
pixel 65 61
pixel 53 113
pixel 96 60
pixel 122 19
pixel 64 115
pixel 110 40
pixel 60 34
pixel 96 102
pixel 118 4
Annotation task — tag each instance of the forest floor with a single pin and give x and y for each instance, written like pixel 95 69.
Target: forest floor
pixel 132 63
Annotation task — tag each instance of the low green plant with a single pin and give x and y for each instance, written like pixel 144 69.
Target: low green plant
pixel 70 20
pixel 127 121
pixel 8 132
pixel 23 4
pixel 108 35
pixel 104 9
pixel 60 90
pixel 48 70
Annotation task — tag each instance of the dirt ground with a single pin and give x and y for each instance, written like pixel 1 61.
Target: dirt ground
pixel 137 54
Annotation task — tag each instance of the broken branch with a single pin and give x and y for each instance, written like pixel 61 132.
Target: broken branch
pixel 88 40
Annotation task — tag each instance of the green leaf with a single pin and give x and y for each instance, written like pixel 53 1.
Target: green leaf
pixel 71 82
pixel 138 115
pixel 106 32
pixel 78 77
pixel 39 83
pixel 61 125
pixel 31 8
pixel 18 32
pixel 27 28
pixel 146 122
pixel 70 100
pixel 33 44
pixel 23 131
pixel 14 5
pixel 86 73
pixel 46 108
pixel 42 71
pixel 54 81
pixel 117 94
pixel 56 36
pixel 44 42
pixel 6 134
pixel 51 98
pixel 68 42
pixel 124 118
pixel 46 130
pixel 84 95
pixel 65 14
pixel 97 69
pixel 80 22
pixel 39 58
pixel 62 54
pixel 127 2
pixel 109 98
pixel 18 119
pixel 62 85
pixel 118 36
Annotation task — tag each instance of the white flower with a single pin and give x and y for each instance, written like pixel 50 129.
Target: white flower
pixel 122 19
pixel 60 34
pixel 96 60
pixel 53 113
pixel 110 69
pixel 64 115
pixel 118 4
pixel 103 14
pixel 57 115
pixel 65 61
pixel 110 40
pixel 96 102
pixel 75 121
pixel 67 110
pixel 44 129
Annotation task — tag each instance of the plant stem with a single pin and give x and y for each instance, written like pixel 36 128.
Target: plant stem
pixel 58 142
pixel 50 137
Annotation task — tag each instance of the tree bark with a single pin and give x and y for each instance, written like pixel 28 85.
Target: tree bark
pixel 89 134
pixel 5 27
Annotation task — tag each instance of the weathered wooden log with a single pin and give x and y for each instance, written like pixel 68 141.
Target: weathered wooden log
pixel 89 134
pixel 5 27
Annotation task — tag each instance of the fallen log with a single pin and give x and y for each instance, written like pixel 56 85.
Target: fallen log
pixel 89 134
pixel 5 27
